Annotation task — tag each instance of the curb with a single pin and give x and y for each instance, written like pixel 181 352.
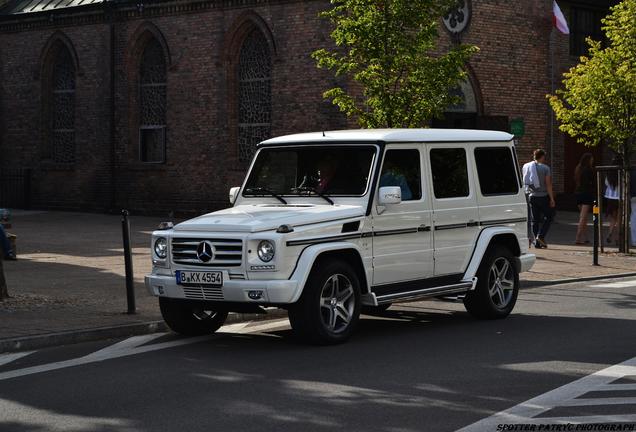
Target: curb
pixel 25 343
pixel 538 284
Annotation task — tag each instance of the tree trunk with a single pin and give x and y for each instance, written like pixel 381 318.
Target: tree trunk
pixel 4 291
pixel 625 200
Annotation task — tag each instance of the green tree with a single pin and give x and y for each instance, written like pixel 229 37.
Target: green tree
pixel 598 101
pixel 389 48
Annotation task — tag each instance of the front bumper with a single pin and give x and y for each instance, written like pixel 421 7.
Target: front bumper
pixel 273 291
pixel 525 262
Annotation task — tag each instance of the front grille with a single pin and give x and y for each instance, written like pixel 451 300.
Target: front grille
pixel 203 293
pixel 227 252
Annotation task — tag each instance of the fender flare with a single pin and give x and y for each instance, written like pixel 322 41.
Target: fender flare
pixel 485 237
pixel 310 254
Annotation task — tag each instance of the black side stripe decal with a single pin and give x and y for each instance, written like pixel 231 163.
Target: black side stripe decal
pixel 421 228
pixel 319 240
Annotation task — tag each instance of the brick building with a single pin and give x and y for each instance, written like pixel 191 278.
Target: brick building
pixel 156 106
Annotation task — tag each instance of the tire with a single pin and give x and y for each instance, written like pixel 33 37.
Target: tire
pixel 188 320
pixel 329 307
pixel 497 287
pixel 376 310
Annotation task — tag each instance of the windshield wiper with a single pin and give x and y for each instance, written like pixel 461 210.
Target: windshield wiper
pixel 313 189
pixel 266 191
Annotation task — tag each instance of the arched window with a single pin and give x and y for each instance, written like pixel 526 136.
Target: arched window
pixel 152 104
pixel 61 108
pixel 254 94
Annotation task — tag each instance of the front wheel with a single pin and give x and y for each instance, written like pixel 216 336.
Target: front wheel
pixel 329 307
pixel 189 320
pixel 497 286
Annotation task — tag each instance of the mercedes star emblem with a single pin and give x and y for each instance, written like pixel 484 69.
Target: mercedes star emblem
pixel 205 251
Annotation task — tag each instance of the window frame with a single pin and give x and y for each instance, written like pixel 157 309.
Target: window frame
pixel 469 173
pixel 141 127
pixel 406 147
pixel 514 170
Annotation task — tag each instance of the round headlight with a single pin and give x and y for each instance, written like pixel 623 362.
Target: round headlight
pixel 161 247
pixel 266 251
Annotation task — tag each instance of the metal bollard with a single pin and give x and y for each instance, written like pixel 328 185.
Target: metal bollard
pixel 130 284
pixel 595 213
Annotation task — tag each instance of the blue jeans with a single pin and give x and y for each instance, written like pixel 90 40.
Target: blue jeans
pixel 542 215
pixel 4 242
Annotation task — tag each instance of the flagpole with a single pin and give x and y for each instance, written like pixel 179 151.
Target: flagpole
pixel 551 52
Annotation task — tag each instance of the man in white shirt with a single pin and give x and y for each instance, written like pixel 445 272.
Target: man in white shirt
pixel 537 179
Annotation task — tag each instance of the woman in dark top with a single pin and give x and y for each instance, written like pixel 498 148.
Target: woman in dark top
pixel 584 178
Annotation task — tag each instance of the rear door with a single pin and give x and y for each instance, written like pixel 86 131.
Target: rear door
pixel 455 211
pixel 402 238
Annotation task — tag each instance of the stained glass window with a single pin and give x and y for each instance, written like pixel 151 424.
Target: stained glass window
pixel 62 109
pixel 152 104
pixel 254 94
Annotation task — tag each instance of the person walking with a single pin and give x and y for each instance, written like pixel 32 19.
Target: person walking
pixel 7 253
pixel 537 178
pixel 612 197
pixel 584 179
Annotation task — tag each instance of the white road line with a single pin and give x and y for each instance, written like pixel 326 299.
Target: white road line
pixel 599 401
pixel 8 358
pixel 527 411
pixel 616 387
pixel 622 284
pixel 131 346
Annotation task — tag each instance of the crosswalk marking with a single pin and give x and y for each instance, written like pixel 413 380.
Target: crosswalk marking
pixel 568 396
pixel 135 345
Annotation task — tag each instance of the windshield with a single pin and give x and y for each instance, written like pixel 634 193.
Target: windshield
pixel 332 170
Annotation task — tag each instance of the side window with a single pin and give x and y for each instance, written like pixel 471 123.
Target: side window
pixel 402 168
pixel 496 171
pixel 450 173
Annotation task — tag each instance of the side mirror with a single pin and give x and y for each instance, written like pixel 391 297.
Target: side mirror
pixel 390 195
pixel 234 194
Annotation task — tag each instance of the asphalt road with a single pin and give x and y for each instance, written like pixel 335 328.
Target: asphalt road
pixel 424 367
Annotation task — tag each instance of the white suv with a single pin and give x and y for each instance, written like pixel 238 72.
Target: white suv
pixel 329 224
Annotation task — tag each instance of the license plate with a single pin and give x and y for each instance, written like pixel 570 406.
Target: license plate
pixel 210 278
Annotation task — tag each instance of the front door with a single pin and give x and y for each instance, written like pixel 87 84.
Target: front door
pixel 402 240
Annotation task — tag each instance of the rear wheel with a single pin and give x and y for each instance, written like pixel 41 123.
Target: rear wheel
pixel 329 307
pixel 497 286
pixel 189 320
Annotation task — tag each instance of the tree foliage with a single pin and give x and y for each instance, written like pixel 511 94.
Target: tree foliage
pixel 388 48
pixel 598 101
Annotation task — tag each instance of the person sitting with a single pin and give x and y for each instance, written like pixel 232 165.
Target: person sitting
pixel 391 176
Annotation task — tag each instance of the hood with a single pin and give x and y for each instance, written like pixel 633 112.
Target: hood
pixel 264 217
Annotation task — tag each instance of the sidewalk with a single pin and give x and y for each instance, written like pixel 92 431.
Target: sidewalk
pixel 70 271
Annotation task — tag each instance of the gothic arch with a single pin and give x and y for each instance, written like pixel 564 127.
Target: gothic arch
pixel 146 32
pixel 58 74
pixel 248 39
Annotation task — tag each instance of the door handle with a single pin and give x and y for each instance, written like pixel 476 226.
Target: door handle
pixel 472 223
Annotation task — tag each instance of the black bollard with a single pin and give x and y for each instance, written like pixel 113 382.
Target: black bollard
pixel 595 213
pixel 130 284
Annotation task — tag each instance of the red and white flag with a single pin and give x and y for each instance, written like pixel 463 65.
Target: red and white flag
pixel 558 19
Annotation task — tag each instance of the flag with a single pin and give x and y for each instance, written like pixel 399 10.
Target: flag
pixel 558 19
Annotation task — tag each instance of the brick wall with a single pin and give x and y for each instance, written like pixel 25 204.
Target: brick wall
pixel 512 73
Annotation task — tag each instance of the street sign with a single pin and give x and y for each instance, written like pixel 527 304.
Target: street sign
pixel 517 127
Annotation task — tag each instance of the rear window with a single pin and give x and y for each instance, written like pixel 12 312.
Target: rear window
pixel 496 171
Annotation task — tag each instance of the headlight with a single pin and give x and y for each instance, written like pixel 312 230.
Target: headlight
pixel 266 251
pixel 161 247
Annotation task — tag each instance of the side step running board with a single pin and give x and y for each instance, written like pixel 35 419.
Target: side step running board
pixel 462 287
